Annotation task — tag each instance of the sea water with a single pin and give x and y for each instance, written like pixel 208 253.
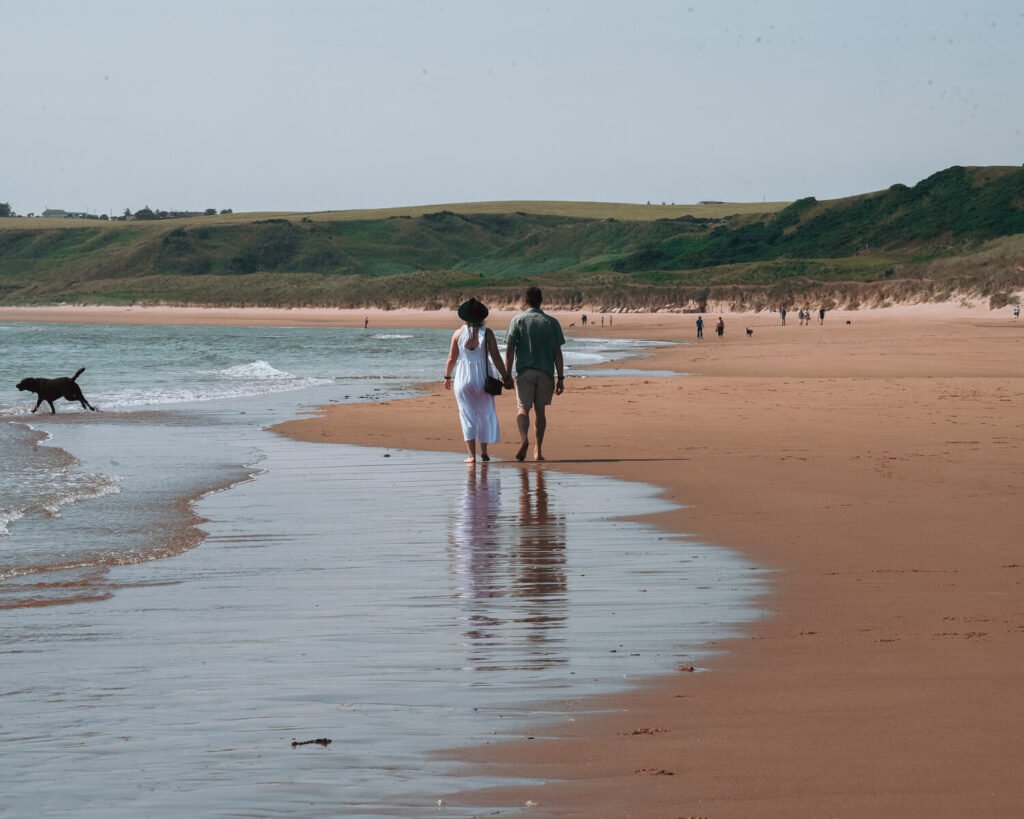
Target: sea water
pixel 183 594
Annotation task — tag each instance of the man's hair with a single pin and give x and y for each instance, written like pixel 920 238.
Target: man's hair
pixel 533 296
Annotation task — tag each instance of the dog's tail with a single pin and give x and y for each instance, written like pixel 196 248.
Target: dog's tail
pixel 82 370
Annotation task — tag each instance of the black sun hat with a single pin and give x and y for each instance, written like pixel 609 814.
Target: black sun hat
pixel 472 311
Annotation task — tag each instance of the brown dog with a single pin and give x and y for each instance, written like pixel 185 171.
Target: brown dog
pixel 50 389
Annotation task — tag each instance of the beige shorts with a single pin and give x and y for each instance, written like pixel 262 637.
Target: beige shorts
pixel 534 387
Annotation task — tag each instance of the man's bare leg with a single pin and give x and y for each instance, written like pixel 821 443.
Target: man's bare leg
pixel 523 423
pixel 483 452
pixel 471 448
pixel 542 423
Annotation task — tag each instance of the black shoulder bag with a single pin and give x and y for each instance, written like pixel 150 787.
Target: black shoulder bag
pixel 492 385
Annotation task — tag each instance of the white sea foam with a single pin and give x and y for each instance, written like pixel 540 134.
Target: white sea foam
pixel 239 381
pixel 128 399
pixel 255 370
pixel 573 358
pixel 81 486
pixel 41 479
pixel 588 351
pixel 390 336
pixel 8 516
pixel 17 409
pixel 48 491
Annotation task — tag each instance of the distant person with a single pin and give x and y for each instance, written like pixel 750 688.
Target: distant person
pixel 782 313
pixel 821 316
pixel 700 327
pixel 720 327
pixel 534 344
pixel 609 321
pixel 583 319
pixel 466 372
pixel 1016 311
pixel 602 321
pixel 366 322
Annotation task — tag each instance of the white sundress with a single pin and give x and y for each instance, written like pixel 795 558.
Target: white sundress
pixel 476 408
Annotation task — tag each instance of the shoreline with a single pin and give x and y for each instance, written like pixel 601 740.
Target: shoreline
pixel 69 577
pixel 874 466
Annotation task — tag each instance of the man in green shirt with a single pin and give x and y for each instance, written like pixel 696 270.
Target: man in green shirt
pixel 534 342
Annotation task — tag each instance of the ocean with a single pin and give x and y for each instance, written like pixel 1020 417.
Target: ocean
pixel 184 595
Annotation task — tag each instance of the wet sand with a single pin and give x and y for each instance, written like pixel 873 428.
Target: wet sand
pixel 877 466
pixel 336 599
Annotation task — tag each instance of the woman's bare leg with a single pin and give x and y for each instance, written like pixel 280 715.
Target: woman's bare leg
pixel 471 449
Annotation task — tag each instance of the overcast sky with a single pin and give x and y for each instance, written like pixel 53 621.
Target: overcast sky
pixel 305 105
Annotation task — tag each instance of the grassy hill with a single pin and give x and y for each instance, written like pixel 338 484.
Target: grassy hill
pixel 957 204
pixel 960 230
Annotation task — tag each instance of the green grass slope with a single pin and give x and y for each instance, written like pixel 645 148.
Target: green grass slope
pixel 957 205
pixel 46 262
pixel 613 255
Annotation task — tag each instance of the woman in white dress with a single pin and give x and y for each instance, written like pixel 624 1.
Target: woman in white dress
pixel 465 373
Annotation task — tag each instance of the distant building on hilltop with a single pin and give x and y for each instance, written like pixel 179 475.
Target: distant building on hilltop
pixel 56 213
pixel 145 213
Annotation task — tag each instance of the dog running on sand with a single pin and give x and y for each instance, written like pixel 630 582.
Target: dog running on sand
pixel 50 389
pixel 749 332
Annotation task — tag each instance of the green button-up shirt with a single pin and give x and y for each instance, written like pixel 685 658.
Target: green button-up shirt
pixel 536 338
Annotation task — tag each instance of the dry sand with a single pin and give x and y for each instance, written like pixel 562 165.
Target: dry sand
pixel 877 467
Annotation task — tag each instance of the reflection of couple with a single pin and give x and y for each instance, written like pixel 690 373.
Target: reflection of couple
pixel 510 572
pixel 476 536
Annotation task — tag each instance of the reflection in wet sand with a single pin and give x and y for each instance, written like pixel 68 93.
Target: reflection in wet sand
pixel 509 566
pixel 540 562
pixel 335 597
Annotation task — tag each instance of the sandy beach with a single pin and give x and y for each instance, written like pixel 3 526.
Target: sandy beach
pixel 873 463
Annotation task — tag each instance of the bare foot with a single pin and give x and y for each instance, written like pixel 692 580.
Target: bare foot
pixel 538 457
pixel 521 452
pixel 485 457
pixel 470 460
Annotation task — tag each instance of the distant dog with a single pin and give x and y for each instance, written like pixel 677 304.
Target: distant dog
pixel 50 389
pixel 749 332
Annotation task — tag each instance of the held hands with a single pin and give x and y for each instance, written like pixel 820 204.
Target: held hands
pixel 507 382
